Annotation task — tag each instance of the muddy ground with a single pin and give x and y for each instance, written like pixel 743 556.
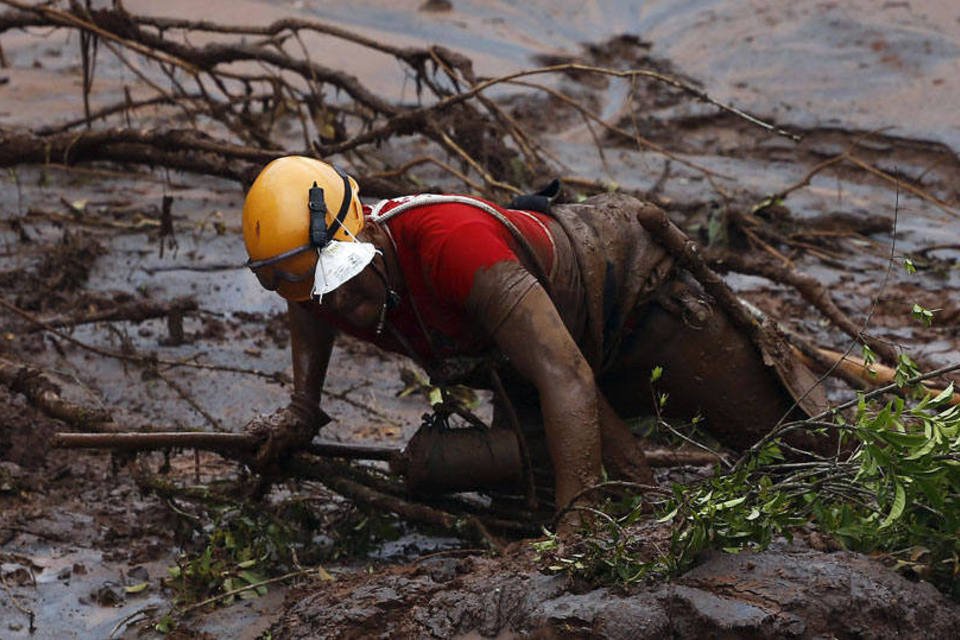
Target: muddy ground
pixel 75 529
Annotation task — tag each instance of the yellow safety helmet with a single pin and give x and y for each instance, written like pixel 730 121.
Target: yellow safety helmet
pixel 295 206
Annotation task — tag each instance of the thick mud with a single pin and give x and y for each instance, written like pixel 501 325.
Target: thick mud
pixel 786 592
pixel 74 532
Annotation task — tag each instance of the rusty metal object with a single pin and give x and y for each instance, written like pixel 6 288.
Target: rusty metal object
pixel 438 460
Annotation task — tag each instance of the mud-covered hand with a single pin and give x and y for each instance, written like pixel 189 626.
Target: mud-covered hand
pixel 285 431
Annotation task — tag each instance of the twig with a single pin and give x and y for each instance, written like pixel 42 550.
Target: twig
pixel 900 184
pixel 817 421
pixel 278 377
pixel 811 291
pixel 316 571
pixel 641 141
pixel 409 119
pixel 190 400
pixel 144 611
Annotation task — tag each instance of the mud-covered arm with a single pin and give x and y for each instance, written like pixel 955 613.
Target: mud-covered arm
pixel 311 341
pixel 528 329
pixel 292 427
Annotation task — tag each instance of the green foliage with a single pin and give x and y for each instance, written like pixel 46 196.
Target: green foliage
pixel 923 314
pixel 906 369
pixel 869 355
pixel 241 544
pixel 362 532
pixel 896 491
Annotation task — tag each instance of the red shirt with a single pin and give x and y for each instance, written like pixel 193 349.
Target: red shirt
pixel 440 248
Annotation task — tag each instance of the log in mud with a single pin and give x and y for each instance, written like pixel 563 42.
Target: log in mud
pixel 127 134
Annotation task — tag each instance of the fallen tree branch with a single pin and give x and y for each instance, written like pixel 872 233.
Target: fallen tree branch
pixel 473 525
pixel 319 572
pixel 233 444
pixel 874 374
pixel 134 311
pixel 44 394
pixel 810 289
pixel 278 376
pixel 687 252
pixel 226 443
pixel 819 420
pixel 185 150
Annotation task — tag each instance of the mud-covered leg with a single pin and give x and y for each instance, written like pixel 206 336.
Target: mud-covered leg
pixel 716 365
pixel 714 371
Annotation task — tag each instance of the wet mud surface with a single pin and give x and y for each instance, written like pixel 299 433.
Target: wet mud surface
pixel 786 592
pixel 74 531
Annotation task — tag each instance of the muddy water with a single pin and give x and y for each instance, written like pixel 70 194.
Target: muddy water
pixel 821 68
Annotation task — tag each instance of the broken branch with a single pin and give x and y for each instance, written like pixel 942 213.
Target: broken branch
pixel 811 290
pixel 44 394
pixel 135 311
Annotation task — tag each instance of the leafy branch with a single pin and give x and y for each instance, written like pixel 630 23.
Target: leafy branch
pixel 892 489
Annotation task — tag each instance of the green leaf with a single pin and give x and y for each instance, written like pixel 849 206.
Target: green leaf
pixel 656 374
pixel 137 588
pixel 670 516
pixel 165 625
pixel 923 314
pixel 931 439
pixel 896 510
pixel 905 440
pixel 943 396
pixel 731 503
pixel 251 577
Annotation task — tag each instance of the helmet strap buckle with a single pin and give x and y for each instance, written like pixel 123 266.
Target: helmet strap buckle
pixel 318 217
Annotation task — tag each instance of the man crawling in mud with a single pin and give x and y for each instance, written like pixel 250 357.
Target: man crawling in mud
pixel 573 307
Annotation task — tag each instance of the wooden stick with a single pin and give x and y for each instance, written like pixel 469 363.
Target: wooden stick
pixel 134 441
pixel 240 442
pixel 875 374
pixel 671 458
